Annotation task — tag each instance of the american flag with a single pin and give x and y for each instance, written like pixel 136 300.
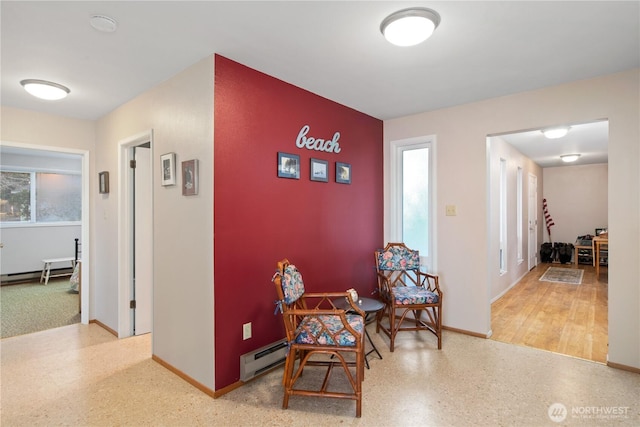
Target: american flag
pixel 547 217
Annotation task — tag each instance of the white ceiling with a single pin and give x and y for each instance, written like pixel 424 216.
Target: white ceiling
pixel 481 50
pixel 590 140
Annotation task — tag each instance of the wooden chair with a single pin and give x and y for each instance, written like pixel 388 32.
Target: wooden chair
pixel 319 334
pixel 405 289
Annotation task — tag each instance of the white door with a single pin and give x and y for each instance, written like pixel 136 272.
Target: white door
pixel 533 221
pixel 142 262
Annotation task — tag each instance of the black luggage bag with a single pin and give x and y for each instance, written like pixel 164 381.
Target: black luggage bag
pixel 564 251
pixel 546 252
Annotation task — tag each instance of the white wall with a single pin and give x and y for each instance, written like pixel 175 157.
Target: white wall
pixel 28 128
pixel 26 247
pixel 41 160
pixel 516 269
pixel 577 198
pixel 463 240
pixel 180 113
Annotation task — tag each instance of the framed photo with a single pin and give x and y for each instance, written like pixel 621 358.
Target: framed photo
pixel 103 182
pixel 190 178
pixel 319 170
pixel 343 173
pixel 288 165
pixel 168 169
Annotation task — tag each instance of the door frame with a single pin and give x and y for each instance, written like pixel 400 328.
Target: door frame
pixel 532 221
pixel 142 289
pixel 85 259
pixel 125 228
pixel 394 231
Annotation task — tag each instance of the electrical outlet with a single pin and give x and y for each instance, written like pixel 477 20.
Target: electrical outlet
pixel 246 331
pixel 451 210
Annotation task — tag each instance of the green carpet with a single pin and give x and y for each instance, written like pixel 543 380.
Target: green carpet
pixel 33 307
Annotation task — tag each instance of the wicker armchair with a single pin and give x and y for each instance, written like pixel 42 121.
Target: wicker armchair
pixel 319 334
pixel 405 289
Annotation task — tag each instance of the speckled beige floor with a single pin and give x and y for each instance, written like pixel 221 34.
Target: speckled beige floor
pixel 80 375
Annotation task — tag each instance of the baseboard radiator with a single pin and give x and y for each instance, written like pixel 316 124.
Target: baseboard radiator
pixel 262 360
pixel 20 277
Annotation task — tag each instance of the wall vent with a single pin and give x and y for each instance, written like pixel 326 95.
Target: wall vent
pixel 262 360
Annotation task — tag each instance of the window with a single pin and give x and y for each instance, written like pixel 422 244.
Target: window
pixel 39 197
pixel 15 196
pixel 412 217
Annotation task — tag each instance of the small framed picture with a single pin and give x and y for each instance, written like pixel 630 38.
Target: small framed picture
pixel 343 173
pixel 319 170
pixel 168 169
pixel 288 165
pixel 103 180
pixel 190 178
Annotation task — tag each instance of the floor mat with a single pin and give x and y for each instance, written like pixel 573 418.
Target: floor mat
pixel 563 275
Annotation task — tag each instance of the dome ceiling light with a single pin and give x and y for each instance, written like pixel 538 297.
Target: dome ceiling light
pixel 103 23
pixel 408 27
pixel 568 158
pixel 557 132
pixel 45 90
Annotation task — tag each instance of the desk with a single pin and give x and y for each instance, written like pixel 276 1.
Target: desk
pixel 598 242
pixel 371 307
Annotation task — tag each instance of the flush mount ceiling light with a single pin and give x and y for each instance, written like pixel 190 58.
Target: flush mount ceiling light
pixel 568 158
pixel 45 90
pixel 408 27
pixel 103 23
pixel 555 133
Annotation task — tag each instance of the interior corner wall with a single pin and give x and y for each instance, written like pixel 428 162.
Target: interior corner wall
pixel 329 230
pixel 180 114
pixel 462 180
pixel 577 199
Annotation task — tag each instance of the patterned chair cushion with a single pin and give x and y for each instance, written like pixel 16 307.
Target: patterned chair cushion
pixel 311 330
pixel 406 295
pixel 398 258
pixel 292 284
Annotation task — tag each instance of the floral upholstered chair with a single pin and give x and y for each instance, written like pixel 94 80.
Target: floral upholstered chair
pixel 319 334
pixel 406 290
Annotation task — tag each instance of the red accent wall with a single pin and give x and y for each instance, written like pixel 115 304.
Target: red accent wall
pixel 328 230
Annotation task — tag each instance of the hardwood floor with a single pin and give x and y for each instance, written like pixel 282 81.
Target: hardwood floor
pixel 558 317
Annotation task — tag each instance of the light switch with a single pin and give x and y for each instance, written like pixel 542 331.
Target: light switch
pixel 451 210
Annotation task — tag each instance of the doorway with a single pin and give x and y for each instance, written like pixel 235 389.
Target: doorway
pixel 524 310
pixel 57 155
pixel 135 243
